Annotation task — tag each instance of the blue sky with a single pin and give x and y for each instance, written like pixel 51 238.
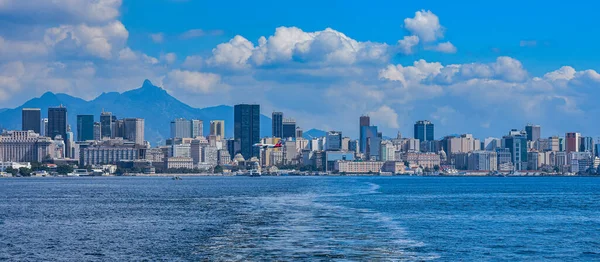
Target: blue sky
pixel 476 67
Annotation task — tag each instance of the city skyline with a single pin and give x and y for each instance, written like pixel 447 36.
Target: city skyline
pixel 425 61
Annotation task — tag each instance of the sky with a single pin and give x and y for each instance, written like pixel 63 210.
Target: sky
pixel 480 67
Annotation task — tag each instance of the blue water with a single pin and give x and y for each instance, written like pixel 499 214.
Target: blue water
pixel 300 218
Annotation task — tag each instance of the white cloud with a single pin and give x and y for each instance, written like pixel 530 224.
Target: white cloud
pixel 192 81
pixel 407 44
pixel 233 54
pixel 385 116
pixel 193 62
pixel 528 43
pixel 169 58
pixel 425 25
pixel 84 40
pixel 445 47
pixel 195 33
pixel 157 37
pixel 61 11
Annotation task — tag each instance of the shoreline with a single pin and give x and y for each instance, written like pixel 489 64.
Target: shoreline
pixel 332 175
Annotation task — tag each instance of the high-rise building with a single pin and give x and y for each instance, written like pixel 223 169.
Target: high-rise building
pixel 333 142
pixel 533 132
pixel 134 130
pixel 85 127
pixel 370 142
pixel 217 128
pixel 31 119
pixel 299 132
pixel 57 122
pixel 106 121
pixel 572 141
pixel 98 131
pixel 24 146
pixel 197 128
pixel 44 127
pixel 289 129
pixel 365 121
pixel 424 130
pixel 517 145
pixel 246 129
pixel 586 144
pixel 277 118
pixel 118 128
pixel 181 128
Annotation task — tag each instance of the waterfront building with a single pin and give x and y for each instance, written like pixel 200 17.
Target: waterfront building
pixel 491 144
pixel 533 132
pixel 482 161
pixel 332 156
pixel 223 157
pixel 210 156
pixel 277 126
pixel 533 159
pixel 358 167
pixel 97 131
pixel 110 151
pixel 247 129
pixel 517 145
pixel 586 144
pixel 179 162
pixel 424 130
pixel 24 146
pixel 388 151
pixel 394 167
pixel 424 160
pixel 181 128
pixel 85 127
pixel 31 119
pixel 181 150
pixel 57 122
pixel 370 142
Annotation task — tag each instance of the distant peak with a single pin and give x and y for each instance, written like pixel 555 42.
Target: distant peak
pixel 147 83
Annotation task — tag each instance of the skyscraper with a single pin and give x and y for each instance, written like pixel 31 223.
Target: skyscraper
pixel 365 121
pixel 106 121
pixel 533 132
pixel 333 142
pixel 44 127
pixel 370 142
pixel 517 145
pixel 277 118
pixel 57 122
pixel 197 128
pixel 288 129
pixel 97 131
pixel 181 128
pixel 246 129
pixel 85 127
pixel 572 141
pixel 424 131
pixel 31 119
pixel 134 130
pixel 217 128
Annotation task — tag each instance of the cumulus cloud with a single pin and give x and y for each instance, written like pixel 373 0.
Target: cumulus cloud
pixel 60 11
pixel 82 39
pixel 385 116
pixel 407 44
pixel 168 58
pixel 192 81
pixel 425 25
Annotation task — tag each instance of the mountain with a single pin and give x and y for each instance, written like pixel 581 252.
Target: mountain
pixel 314 133
pixel 150 102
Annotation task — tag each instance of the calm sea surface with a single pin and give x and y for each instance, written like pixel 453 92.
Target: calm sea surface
pixel 300 218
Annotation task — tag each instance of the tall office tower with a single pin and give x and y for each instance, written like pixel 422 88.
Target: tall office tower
pixel 364 121
pixel 289 129
pixel 572 142
pixel 333 142
pixel 517 145
pixel 586 144
pixel 197 128
pixel 85 127
pixel 277 118
pixel 44 127
pixel 106 120
pixel 299 132
pixel 57 122
pixel 370 142
pixel 246 129
pixel 533 132
pixel 424 131
pixel 97 131
pixel 181 128
pixel 217 128
pixel 31 119
pixel 134 130
pixel 118 128
pixel 69 144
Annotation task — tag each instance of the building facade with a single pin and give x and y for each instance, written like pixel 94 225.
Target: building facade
pixel 247 129
pixel 277 126
pixel 31 119
pixel 85 127
pixel 424 131
pixel 57 122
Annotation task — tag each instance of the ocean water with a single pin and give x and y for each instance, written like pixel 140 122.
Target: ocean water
pixel 300 219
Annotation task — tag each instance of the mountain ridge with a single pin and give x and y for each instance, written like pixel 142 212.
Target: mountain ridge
pixel 150 102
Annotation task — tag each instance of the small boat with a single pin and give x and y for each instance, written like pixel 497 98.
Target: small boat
pixel 176 178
